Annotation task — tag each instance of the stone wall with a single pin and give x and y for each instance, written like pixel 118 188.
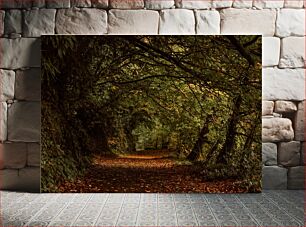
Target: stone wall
pixel 281 22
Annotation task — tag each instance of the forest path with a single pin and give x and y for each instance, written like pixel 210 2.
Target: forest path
pixel 146 171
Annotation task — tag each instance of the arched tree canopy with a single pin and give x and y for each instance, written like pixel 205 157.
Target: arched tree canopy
pixel 197 96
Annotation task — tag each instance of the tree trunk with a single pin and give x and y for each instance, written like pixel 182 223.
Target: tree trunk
pixel 249 140
pixel 197 148
pixel 231 132
pixel 211 151
pixel 131 142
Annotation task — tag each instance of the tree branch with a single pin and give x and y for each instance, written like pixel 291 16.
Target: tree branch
pixel 244 53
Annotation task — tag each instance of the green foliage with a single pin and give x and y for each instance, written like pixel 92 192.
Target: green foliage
pixel 104 95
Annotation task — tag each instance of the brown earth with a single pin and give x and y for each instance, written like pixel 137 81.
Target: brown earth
pixel 146 171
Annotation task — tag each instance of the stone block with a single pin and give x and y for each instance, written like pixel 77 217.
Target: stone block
pixel 81 21
pixel 262 4
pixel 299 122
pixel 191 4
pixel 289 153
pixel 99 3
pixel 138 22
pixel 296 177
pixel 290 22
pixel 283 84
pixel 207 22
pixel 293 3
pixel 80 3
pixel 277 129
pixel 24 122
pixel 39 22
pixel 20 53
pixel 292 52
pixel 13 155
pixel 2 15
pixel 159 4
pixel 270 51
pixel 55 4
pixel 13 21
pixel 126 4
pixel 248 21
pixel 269 154
pixel 242 4
pixel 33 154
pixel 274 177
pixel 222 4
pixel 25 180
pixel 303 160
pixel 177 21
pixel 267 107
pixel 3 121
pixel 39 3
pixel 15 4
pixel 285 107
pixel 7 81
pixel 27 86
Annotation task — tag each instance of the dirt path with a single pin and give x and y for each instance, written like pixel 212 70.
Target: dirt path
pixel 149 171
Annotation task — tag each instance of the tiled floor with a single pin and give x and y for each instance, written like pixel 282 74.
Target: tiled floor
pixel 270 208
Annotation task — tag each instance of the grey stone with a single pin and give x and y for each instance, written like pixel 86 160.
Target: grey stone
pixel 15 4
pixel 274 177
pixel 20 53
pixel 13 21
pixel 55 4
pixel 192 4
pixel 242 4
pixel 221 4
pixel 293 3
pixel 33 154
pixel 81 21
pixel 126 4
pixel 283 84
pixel 296 177
pixel 178 21
pixel 290 22
pixel 285 107
pixel 39 3
pixel 14 36
pixel 299 122
pixel 159 4
pixel 13 155
pixel 24 122
pixel 289 153
pixel 292 52
pixel 3 121
pixel 99 3
pixel 80 3
pixel 261 4
pixel 26 179
pixel 277 129
pixel 207 22
pixel 270 51
pixel 27 86
pixel 139 22
pixel 39 22
pixel 269 154
pixel 277 115
pixel 267 107
pixel 7 81
pixel 2 15
pixel 247 21
pixel 303 160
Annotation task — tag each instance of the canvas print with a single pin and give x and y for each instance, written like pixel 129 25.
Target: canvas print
pixel 167 114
